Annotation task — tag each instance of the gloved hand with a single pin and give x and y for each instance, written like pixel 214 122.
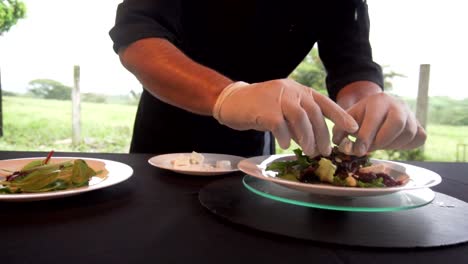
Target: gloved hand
pixel 384 123
pixel 286 108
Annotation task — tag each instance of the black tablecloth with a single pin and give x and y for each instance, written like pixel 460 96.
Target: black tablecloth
pixel 155 217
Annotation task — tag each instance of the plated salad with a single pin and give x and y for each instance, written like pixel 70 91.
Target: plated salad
pixel 339 169
pixel 46 175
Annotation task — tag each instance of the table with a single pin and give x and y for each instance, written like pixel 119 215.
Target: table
pixel 155 217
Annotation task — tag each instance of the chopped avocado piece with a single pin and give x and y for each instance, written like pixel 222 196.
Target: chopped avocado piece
pixel 326 170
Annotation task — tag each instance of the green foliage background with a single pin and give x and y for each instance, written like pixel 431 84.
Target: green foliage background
pixel 311 72
pixel 10 12
pixel 446 111
pixel 49 89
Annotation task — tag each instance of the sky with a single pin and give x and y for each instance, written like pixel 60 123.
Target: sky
pixel 57 34
pixel 407 33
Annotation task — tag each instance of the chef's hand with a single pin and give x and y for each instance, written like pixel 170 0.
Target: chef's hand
pixel 286 108
pixel 384 123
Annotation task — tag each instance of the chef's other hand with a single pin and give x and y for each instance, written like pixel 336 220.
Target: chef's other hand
pixel 384 123
pixel 286 108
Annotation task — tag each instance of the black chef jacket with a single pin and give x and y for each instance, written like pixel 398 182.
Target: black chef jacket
pixel 245 40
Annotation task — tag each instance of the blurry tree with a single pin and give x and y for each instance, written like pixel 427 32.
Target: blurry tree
pixel 391 154
pixel 10 93
pixel 10 12
pixel 311 72
pixel 448 111
pixel 93 98
pixel 49 89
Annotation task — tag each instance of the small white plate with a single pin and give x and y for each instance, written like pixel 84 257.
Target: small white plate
pixel 419 178
pixel 116 172
pixel 165 162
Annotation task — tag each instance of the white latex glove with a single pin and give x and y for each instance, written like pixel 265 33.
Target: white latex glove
pixel 384 123
pixel 286 108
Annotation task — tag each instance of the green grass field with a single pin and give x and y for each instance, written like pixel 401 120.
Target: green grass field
pixel 442 141
pixel 41 125
pixel 37 124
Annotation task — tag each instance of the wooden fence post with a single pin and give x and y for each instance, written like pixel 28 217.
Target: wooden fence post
pixel 76 107
pixel 422 102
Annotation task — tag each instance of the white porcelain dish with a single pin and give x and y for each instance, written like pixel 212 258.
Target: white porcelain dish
pixel 117 172
pixel 209 168
pixel 419 178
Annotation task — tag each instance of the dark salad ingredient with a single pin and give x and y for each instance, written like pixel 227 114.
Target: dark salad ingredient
pixel 44 176
pixel 337 169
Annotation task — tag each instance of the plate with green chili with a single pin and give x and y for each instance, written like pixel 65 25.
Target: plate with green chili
pixel 42 178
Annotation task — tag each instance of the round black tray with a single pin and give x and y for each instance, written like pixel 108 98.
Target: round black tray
pixel 442 222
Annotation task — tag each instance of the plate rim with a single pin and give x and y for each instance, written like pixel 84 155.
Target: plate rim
pixel 320 188
pixel 234 167
pixel 116 179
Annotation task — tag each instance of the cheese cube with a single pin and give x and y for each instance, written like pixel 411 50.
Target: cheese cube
pixel 223 164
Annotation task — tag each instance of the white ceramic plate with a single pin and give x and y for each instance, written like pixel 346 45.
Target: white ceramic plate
pixel 419 178
pixel 116 172
pixel 165 162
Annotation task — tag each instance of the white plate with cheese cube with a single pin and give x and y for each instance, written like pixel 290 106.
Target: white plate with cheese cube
pixel 201 164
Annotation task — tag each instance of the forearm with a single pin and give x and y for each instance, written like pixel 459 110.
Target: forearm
pixel 355 91
pixel 171 76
